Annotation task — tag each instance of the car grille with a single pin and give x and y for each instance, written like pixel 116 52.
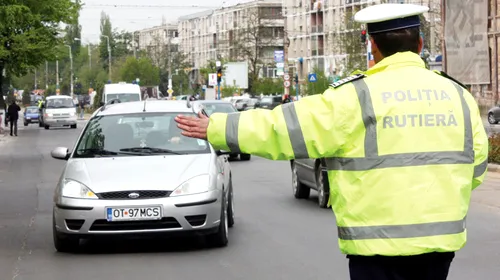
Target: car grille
pixel 125 195
pixel 165 223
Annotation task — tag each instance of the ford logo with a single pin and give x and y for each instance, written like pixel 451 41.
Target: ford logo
pixel 133 195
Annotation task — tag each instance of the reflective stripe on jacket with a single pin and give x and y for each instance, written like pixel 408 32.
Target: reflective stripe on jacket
pixel 404 148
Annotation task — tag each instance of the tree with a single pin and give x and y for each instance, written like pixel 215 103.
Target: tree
pixel 123 43
pixel 268 86
pixel 351 45
pixel 26 100
pixel 251 40
pixel 30 33
pixel 141 68
pixel 106 30
pixel 74 31
pixel 321 85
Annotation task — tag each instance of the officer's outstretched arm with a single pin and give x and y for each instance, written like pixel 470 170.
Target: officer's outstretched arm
pixel 302 129
pixel 481 148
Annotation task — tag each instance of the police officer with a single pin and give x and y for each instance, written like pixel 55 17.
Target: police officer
pixel 404 147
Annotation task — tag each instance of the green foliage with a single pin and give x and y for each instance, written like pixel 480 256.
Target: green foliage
pixel 268 86
pixel 50 91
pixel 350 44
pixel 494 152
pixel 141 68
pixel 106 30
pixel 29 33
pixel 320 86
pixel 26 100
pixel 228 91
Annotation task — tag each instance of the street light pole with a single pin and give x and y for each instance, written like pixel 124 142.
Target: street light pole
pixel 133 44
pixel 46 74
pixel 109 56
pixel 71 69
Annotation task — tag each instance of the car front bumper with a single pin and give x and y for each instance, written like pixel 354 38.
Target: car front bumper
pixel 197 213
pixel 51 121
pixel 31 120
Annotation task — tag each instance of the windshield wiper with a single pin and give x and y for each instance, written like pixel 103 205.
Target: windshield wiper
pixel 95 152
pixel 149 150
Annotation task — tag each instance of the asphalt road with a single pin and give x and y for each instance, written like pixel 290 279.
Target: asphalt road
pixel 275 236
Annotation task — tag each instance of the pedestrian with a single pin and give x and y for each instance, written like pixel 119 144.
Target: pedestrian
pixel 82 108
pixel 13 113
pixel 404 148
pixel 286 99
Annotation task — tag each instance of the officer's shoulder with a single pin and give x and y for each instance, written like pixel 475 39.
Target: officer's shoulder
pixel 347 80
pixel 443 74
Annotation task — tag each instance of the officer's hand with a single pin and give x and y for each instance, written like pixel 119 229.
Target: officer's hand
pixel 195 127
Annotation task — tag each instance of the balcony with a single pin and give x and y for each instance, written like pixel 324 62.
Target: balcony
pixel 318 52
pixel 316 29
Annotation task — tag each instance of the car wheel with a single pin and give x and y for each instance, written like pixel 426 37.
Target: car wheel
pixel 64 243
pixel 73 126
pixel 323 191
pixel 300 191
pixel 40 124
pixel 47 127
pixel 491 119
pixel 25 124
pixel 245 157
pixel 221 237
pixel 230 205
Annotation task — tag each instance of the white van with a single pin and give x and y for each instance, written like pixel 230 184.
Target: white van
pixel 58 110
pixel 121 91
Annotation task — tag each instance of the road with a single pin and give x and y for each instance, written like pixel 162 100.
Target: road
pixel 275 236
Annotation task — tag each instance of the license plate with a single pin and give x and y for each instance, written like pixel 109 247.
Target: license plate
pixel 133 213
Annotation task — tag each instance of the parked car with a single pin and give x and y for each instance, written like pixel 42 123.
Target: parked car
pixel 310 174
pixel 269 102
pixel 494 115
pixel 250 104
pixel 132 172
pixel 241 104
pixel 31 115
pixel 221 106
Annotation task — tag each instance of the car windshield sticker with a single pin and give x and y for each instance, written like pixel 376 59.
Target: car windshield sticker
pixel 201 142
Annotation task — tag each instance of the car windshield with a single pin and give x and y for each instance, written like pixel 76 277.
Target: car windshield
pixel 267 100
pixel 32 111
pixel 59 103
pixel 137 134
pixel 211 108
pixel 124 97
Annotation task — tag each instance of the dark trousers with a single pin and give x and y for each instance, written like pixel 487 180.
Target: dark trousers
pixel 433 266
pixel 13 125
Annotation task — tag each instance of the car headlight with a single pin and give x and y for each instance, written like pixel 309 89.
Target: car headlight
pixel 195 185
pixel 74 189
pixel 48 114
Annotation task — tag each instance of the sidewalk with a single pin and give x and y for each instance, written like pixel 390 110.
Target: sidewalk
pixel 488 194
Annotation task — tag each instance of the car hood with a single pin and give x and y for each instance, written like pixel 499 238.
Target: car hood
pixel 137 173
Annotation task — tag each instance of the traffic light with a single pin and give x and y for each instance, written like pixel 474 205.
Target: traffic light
pixel 296 79
pixel 363 36
pixel 219 74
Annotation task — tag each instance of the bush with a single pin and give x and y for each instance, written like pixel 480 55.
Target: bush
pixel 494 153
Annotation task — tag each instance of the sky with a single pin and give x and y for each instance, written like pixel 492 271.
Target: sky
pixel 131 15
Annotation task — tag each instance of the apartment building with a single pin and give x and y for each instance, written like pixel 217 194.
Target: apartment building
pixel 247 31
pixel 315 29
pixel 155 40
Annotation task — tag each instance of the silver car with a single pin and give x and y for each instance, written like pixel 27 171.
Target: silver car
pixel 132 172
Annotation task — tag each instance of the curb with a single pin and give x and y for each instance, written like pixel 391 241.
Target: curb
pixel 493 167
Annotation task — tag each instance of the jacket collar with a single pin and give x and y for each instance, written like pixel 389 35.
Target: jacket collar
pixel 398 60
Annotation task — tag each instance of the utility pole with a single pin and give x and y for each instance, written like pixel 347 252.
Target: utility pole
pixel 46 74
pixel 57 75
pixel 71 70
pixel 90 56
pixel 169 61
pixel 286 43
pixel 133 44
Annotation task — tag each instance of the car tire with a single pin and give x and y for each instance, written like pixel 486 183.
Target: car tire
pixel 245 157
pixel 25 124
pixel 300 191
pixel 221 237
pixel 322 187
pixel 40 124
pixel 73 126
pixel 230 205
pixel 46 126
pixel 491 119
pixel 64 243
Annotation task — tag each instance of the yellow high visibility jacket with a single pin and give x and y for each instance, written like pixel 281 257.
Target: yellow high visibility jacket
pixel 404 148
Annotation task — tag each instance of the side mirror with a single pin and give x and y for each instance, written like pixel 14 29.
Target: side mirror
pixel 60 153
pixel 101 103
pixel 222 153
